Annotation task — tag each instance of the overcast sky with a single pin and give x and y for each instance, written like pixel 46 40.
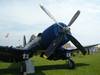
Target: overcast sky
pixel 25 17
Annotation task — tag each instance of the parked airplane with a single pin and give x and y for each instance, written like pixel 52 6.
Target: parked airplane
pixel 50 41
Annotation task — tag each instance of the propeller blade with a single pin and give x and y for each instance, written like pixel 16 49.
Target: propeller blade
pixel 76 43
pixel 74 18
pixel 48 13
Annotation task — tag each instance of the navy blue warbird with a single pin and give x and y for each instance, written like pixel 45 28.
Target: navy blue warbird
pixel 50 41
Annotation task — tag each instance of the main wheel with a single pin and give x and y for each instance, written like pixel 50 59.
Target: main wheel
pixel 23 68
pixel 71 64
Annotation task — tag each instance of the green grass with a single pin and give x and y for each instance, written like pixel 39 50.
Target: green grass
pixel 85 65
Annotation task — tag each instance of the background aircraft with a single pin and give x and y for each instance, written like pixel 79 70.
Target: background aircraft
pixel 50 41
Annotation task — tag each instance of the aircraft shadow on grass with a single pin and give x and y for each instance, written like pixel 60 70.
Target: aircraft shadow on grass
pixel 61 66
pixel 15 70
pixel 39 69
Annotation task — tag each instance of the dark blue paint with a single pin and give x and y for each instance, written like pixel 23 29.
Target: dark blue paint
pixel 52 33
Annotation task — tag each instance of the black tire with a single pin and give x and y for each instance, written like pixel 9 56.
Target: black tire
pixel 23 68
pixel 71 64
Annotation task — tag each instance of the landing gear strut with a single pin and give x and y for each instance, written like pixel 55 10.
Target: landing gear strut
pixel 23 65
pixel 26 65
pixel 23 68
pixel 70 62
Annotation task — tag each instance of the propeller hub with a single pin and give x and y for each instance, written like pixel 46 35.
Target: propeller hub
pixel 66 30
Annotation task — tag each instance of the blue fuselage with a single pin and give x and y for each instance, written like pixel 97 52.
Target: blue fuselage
pixel 52 33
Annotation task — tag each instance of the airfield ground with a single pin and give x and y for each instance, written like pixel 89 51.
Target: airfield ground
pixel 86 65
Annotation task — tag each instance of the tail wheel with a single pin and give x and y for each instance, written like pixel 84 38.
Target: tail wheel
pixel 71 64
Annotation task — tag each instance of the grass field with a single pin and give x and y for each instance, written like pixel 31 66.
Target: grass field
pixel 86 65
